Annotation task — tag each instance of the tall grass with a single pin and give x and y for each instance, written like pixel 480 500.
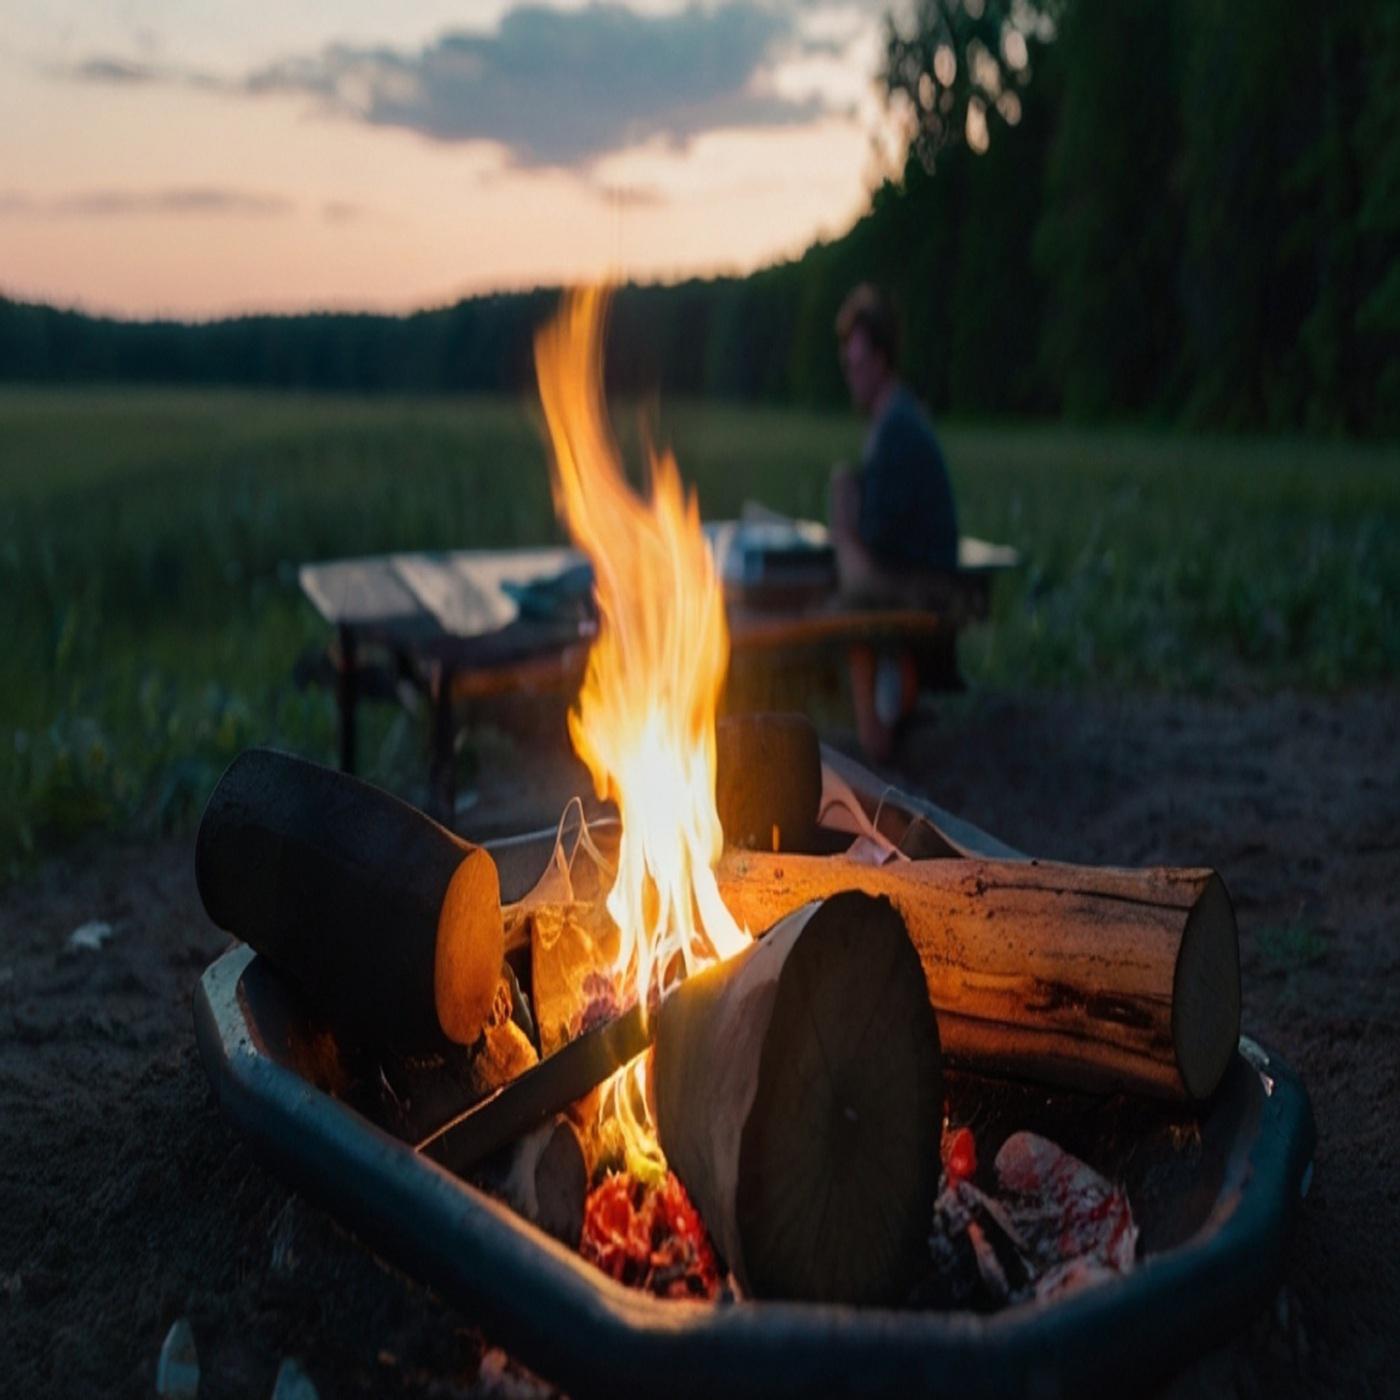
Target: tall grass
pixel 149 543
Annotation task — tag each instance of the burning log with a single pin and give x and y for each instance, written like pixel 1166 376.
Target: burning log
pixel 798 1092
pixel 1090 978
pixel 387 920
pixel 768 781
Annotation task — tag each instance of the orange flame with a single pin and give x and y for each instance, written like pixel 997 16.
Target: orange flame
pixel 645 718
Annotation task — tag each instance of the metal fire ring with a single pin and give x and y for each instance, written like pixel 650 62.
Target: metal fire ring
pixel 590 1335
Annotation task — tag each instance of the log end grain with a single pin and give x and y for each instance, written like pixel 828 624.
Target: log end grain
pixel 768 781
pixel 470 946
pixel 1206 992
pixel 839 1162
pixel 544 1177
pixel 798 1092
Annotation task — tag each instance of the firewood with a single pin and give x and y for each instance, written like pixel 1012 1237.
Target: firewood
pixel 389 922
pixel 558 1081
pixel 544 1177
pixel 798 1094
pixel 502 1052
pixel 768 781
pixel 1089 978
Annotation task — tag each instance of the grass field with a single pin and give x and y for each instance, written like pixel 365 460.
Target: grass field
pixel 149 544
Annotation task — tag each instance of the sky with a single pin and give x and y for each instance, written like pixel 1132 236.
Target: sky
pixel 200 157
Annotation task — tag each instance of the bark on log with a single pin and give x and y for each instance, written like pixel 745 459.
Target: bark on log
pixel 388 921
pixel 1084 977
pixel 798 1093
pixel 768 781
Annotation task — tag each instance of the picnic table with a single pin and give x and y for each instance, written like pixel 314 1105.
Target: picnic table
pixel 455 626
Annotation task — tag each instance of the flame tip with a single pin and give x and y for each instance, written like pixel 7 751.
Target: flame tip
pixel 644 720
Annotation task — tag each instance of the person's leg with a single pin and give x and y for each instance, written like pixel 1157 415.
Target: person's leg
pixel 875 736
pixel 884 693
pixel 843 501
pixel 908 683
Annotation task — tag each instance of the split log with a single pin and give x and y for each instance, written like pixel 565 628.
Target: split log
pixel 389 922
pixel 768 781
pixel 502 1052
pixel 798 1094
pixel 1083 977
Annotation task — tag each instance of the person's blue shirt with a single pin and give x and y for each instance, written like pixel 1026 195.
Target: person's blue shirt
pixel 907 516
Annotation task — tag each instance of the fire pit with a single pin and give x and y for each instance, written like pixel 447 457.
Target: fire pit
pixel 851 1097
pixel 1213 1190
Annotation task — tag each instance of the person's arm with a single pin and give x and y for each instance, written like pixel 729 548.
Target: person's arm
pixel 843 508
pixel 888 510
pixel 856 568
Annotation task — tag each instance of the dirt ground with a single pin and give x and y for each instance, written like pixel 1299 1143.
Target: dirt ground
pixel 127 1203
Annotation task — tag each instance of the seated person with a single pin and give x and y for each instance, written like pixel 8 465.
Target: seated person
pixel 893 523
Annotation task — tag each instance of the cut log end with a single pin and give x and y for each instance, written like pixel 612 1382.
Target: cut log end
pixel 799 1094
pixel 839 1165
pixel 544 1177
pixel 768 781
pixel 1206 992
pixel 389 923
pixel 470 947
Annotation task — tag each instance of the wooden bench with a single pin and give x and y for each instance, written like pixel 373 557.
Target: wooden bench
pixel 446 627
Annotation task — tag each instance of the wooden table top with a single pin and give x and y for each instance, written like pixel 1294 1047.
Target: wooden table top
pixel 453 609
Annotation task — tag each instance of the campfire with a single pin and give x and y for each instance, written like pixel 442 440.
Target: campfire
pixel 768 1034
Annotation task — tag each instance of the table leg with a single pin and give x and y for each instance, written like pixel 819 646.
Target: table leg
pixel 442 766
pixel 347 689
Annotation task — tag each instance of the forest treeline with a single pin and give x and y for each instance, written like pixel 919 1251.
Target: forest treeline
pixel 1177 209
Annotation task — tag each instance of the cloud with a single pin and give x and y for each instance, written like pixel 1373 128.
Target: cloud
pixel 110 70
pixel 554 87
pixel 101 204
pixel 120 72
pixel 629 196
pixel 343 211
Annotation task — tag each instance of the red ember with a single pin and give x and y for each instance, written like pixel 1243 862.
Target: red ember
pixel 649 1237
pixel 959 1154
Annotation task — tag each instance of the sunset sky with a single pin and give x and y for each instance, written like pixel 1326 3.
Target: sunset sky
pixel 197 158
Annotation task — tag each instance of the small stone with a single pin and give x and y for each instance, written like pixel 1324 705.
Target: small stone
pixel 177 1371
pixel 293 1383
pixel 499 1378
pixel 90 937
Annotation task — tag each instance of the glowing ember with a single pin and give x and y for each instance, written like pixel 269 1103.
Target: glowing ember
pixel 645 718
pixel 649 1236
